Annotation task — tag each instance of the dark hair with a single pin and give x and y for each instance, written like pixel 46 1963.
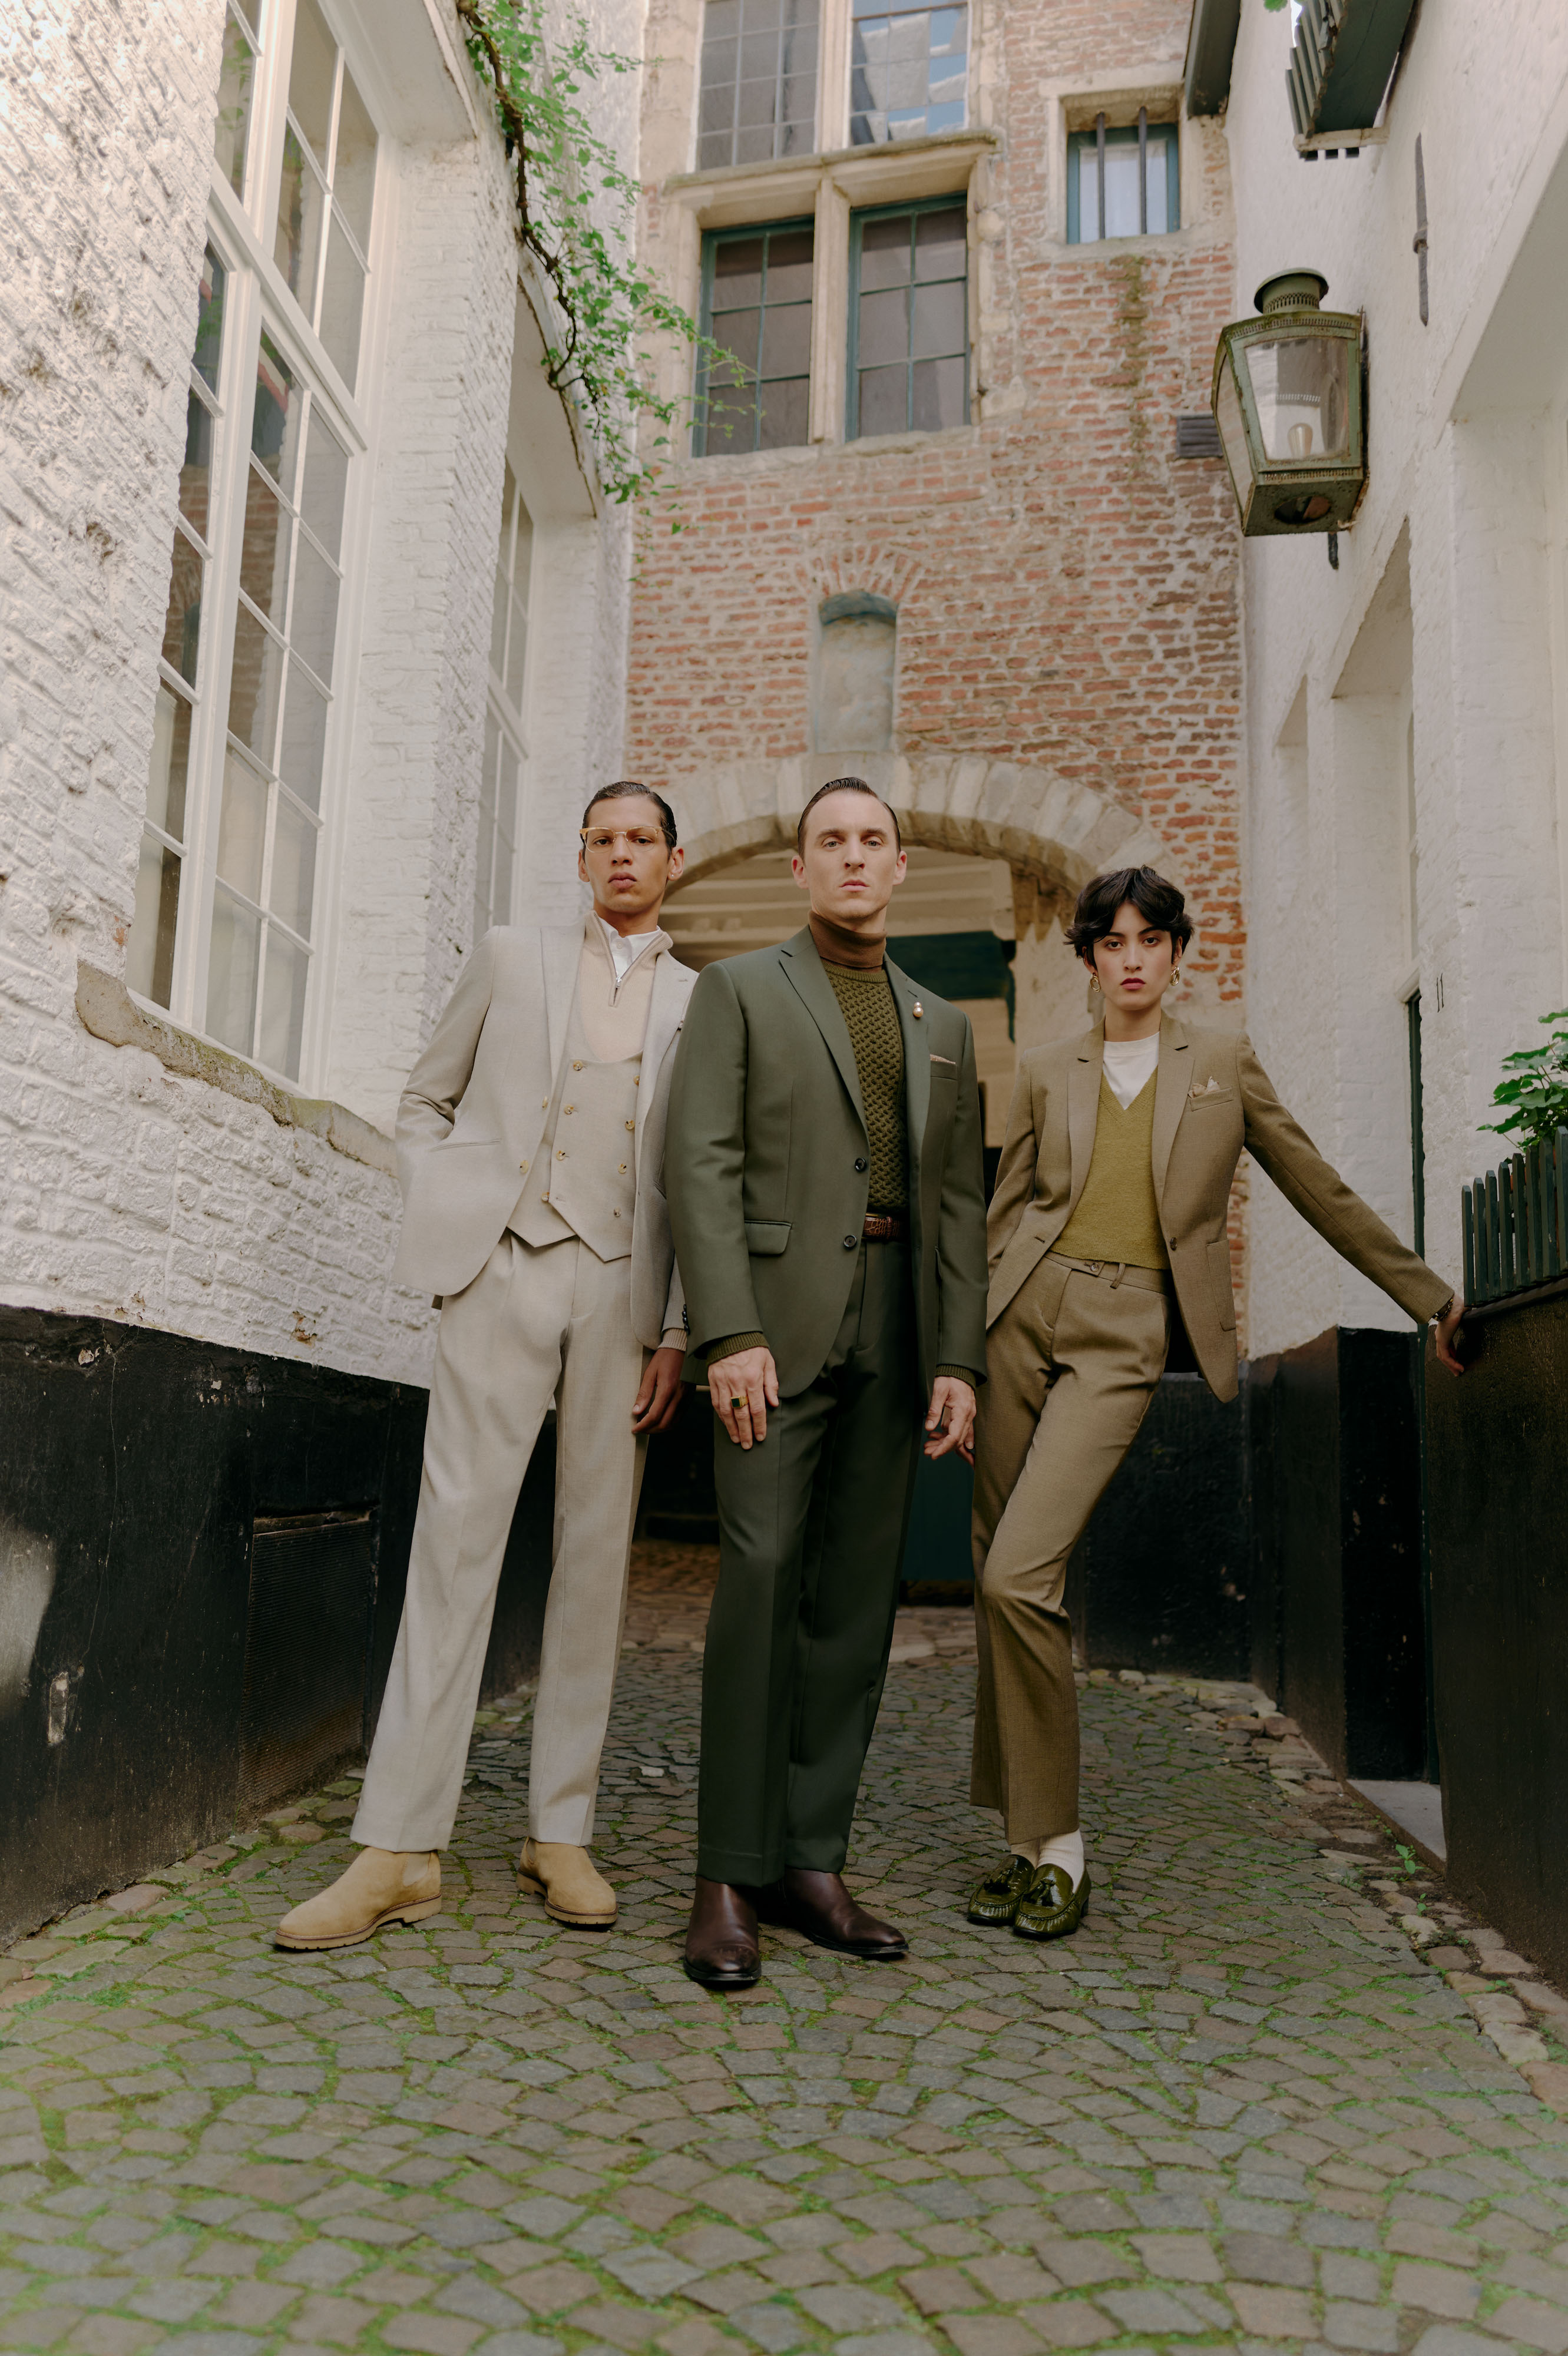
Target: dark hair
pixel 624 790
pixel 1158 902
pixel 843 786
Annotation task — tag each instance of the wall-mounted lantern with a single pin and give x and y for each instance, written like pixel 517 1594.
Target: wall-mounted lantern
pixel 1287 401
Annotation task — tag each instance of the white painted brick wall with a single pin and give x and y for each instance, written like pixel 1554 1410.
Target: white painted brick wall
pixel 125 1192
pixel 1480 486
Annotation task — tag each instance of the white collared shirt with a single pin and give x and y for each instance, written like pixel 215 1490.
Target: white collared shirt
pixel 1130 1066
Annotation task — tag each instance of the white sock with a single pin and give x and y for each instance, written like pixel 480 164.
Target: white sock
pixel 1066 1850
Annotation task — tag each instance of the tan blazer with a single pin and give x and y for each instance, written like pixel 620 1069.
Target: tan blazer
pixel 473 1112
pixel 1212 1098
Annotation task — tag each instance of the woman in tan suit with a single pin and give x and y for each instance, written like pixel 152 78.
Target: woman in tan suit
pixel 1109 1218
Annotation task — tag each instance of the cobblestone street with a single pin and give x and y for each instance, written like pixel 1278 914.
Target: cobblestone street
pixel 1276 2094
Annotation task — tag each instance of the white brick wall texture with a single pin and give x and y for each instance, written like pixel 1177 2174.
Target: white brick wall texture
pixel 125 1192
pixel 1467 470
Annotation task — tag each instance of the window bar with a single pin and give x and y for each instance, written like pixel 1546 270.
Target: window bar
pixel 1494 1239
pixel 1143 171
pixel 1100 171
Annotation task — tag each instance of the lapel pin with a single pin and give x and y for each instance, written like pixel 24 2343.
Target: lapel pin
pixel 916 1010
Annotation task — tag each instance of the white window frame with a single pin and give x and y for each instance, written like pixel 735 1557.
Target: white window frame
pixel 508 711
pixel 241 231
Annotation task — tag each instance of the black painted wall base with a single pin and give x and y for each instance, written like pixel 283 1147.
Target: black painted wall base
pixel 1160 1579
pixel 1499 1540
pixel 1336 1548
pixel 202 1560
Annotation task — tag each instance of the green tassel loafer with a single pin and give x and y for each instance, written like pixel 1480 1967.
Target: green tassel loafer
pixel 995 1901
pixel 1050 1908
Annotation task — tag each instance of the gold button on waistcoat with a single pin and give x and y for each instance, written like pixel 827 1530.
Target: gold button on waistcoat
pixel 568 1108
pixel 560 1154
pixel 576 1067
pixel 631 1124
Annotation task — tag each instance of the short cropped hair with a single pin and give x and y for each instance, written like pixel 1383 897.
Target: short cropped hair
pixel 843 786
pixel 625 790
pixel 1158 902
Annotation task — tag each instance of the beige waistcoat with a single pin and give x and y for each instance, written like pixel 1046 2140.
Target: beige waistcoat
pixel 584 1178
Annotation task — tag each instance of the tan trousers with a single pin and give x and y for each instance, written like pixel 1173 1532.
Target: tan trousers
pixel 533 1326
pixel 1072 1363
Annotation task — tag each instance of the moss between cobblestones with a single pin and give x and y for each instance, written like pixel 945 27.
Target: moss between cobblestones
pixel 1237 2110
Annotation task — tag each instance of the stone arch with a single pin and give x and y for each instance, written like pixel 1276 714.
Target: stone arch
pixel 1049 830
pixel 1053 834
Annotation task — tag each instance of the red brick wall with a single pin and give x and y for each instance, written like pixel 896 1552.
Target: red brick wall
pixel 1067 590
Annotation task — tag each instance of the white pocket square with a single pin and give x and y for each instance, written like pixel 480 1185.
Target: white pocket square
pixel 949 1061
pixel 1210 1088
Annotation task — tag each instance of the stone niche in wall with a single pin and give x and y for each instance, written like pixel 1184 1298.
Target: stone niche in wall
pixel 854 673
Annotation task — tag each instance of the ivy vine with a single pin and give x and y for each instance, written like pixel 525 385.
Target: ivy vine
pixel 563 171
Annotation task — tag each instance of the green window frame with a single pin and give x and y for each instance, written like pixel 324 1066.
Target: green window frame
pixel 1142 181
pixel 758 305
pixel 929 341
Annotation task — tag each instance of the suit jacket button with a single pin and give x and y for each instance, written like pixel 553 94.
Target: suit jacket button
pixel 524 1167
pixel 861 1162
pixel 849 1243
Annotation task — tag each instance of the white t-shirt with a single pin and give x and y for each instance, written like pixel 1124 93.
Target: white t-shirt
pixel 625 949
pixel 1130 1066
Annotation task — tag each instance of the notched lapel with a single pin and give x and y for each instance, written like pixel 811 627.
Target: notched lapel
pixel 666 1010
pixel 562 947
pixel 1171 1081
pixel 1083 1107
pixel 917 1059
pixel 799 960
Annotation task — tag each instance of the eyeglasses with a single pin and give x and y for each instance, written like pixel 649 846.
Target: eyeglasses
pixel 639 839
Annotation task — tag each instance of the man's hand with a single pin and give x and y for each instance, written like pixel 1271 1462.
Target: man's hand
pixel 653 1409
pixel 1447 1331
pixel 744 1387
pixel 950 1423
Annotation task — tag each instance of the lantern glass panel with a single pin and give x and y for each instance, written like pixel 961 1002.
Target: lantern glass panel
pixel 1234 435
pixel 1301 385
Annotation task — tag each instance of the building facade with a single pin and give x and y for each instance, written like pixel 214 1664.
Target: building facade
pixel 311 645
pixel 1407 753
pixel 934 519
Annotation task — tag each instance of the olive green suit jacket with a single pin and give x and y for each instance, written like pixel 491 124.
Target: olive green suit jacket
pixel 765 1161
pixel 1212 1098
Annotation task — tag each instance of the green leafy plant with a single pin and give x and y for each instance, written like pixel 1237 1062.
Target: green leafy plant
pixel 568 183
pixel 1537 1100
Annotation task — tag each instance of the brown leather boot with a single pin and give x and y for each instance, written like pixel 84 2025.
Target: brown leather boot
pixel 820 1907
pixel 721 1951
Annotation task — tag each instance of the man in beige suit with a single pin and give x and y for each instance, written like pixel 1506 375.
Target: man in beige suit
pixel 530 1141
pixel 1108 1223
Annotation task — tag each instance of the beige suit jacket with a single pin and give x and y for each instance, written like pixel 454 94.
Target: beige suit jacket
pixel 1212 1098
pixel 472 1115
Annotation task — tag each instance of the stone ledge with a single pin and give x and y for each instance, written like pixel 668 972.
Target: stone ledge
pixel 108 1010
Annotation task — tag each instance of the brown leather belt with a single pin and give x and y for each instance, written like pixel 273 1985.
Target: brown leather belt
pixel 886 1227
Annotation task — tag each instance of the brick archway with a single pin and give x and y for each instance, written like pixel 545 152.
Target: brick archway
pixel 1057 833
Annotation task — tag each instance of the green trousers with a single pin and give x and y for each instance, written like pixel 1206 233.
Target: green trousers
pixel 811 1525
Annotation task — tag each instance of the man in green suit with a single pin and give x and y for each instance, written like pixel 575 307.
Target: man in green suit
pixel 823 1164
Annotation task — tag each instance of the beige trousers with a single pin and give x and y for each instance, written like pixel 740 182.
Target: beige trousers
pixel 533 1326
pixel 1072 1363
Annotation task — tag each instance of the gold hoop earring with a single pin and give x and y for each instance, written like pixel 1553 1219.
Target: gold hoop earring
pixel 1094 982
